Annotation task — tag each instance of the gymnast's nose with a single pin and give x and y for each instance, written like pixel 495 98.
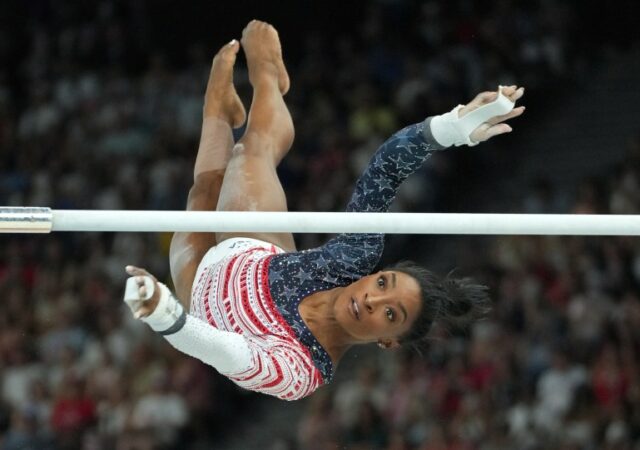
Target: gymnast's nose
pixel 372 302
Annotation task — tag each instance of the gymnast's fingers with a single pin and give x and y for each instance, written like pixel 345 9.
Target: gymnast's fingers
pixel 517 94
pixel 138 271
pixel 513 93
pixel 496 130
pixel 486 131
pixel 484 97
pixel 508 91
pixel 133 270
pixel 142 287
pixel 515 112
pixel 479 100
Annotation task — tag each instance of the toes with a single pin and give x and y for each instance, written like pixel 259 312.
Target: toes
pixel 228 52
pixel 261 42
pixel 254 25
pixel 232 47
pixel 223 62
pixel 257 25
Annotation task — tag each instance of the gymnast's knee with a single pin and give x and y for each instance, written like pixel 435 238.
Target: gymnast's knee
pixel 261 145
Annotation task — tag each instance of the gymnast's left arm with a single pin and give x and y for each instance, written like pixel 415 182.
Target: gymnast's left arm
pixel 354 255
pixel 405 152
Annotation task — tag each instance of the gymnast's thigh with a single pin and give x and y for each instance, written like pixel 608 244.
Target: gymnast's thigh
pixel 251 183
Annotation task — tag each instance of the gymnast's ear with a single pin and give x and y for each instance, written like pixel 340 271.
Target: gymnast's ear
pixel 388 343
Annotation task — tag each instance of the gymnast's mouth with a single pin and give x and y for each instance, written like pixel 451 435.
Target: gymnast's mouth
pixel 354 308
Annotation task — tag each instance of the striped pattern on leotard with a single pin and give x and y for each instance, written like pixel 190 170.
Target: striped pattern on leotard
pixel 233 295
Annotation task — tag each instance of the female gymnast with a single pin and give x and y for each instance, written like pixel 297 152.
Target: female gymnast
pixel 271 318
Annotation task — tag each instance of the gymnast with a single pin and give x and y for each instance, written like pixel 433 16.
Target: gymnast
pixel 273 319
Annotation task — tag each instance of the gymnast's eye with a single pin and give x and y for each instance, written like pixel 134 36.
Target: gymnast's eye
pixel 381 282
pixel 390 314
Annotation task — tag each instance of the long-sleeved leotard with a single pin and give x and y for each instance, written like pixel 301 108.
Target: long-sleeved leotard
pixel 255 290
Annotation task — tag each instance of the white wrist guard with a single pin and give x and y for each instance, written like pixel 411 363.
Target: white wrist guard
pixel 167 318
pixel 449 129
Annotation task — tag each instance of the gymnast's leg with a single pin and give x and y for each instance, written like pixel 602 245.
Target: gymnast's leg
pixel 251 182
pixel 222 111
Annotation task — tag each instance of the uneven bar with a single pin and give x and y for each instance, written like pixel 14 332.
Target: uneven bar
pixel 42 220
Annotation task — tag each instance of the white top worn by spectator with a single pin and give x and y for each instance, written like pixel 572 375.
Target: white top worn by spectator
pixel 556 389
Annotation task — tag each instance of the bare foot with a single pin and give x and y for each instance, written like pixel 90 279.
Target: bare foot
pixel 221 99
pixel 262 48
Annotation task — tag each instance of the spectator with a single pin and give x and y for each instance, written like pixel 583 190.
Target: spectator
pixel 160 412
pixel 72 412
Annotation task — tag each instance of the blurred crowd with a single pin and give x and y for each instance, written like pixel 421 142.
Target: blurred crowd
pixel 94 115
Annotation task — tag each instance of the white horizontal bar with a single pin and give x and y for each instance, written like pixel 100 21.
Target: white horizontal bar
pixel 319 222
pixel 25 220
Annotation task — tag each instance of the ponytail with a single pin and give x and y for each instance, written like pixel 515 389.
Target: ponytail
pixel 453 302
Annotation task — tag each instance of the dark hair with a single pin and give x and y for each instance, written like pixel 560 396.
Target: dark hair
pixel 454 302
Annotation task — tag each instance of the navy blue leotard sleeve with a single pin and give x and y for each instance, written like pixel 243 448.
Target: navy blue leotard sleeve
pixel 400 156
pixel 348 257
pixel 355 255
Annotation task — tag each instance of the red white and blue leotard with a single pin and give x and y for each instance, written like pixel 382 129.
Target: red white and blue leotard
pixel 253 289
pixel 231 292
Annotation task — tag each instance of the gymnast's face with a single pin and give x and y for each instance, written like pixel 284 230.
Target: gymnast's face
pixel 379 308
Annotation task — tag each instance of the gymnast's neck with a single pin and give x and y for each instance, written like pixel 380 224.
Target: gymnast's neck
pixel 317 311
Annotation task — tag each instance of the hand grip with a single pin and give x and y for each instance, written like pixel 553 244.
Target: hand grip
pixel 132 295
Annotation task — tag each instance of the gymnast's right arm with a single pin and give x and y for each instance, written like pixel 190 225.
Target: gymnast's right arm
pixel 262 364
pixel 153 303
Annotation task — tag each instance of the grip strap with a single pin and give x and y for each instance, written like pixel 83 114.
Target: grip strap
pixel 449 129
pixel 167 318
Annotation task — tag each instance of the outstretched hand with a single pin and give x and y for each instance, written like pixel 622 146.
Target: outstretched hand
pixel 146 307
pixel 494 126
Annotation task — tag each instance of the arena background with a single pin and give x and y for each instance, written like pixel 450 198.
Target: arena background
pixel 100 108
